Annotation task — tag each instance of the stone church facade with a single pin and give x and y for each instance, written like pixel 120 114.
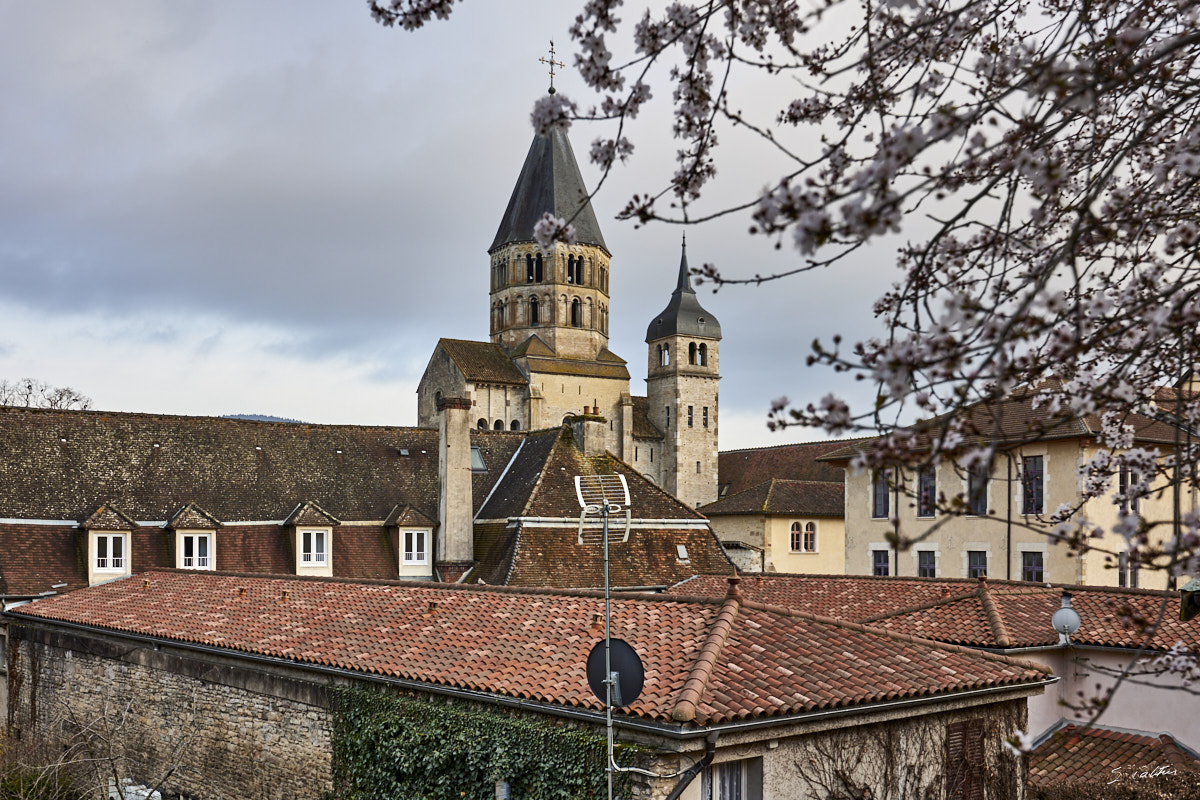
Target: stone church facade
pixel 548 360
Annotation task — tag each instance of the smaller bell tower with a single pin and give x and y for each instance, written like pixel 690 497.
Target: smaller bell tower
pixel 682 391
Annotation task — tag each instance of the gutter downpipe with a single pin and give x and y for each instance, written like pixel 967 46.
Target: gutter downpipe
pixel 1008 521
pixel 675 732
pixel 689 775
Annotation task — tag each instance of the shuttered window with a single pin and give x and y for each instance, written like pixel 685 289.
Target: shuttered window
pixel 964 760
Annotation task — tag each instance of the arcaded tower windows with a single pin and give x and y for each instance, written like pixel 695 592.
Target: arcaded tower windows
pixel 576 313
pixel 533 268
pixel 499 426
pixel 534 318
pixel 703 355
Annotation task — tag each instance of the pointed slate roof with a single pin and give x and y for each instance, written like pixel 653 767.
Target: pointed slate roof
pixel 549 181
pixel 683 316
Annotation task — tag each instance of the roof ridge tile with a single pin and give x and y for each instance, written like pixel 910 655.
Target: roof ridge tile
pixel 697 681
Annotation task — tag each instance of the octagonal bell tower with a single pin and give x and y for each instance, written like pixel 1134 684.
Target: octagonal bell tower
pixel 561 297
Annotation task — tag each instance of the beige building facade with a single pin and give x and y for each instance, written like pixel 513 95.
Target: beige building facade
pixel 997 521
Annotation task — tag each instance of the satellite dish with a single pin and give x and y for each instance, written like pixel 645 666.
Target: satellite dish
pixel 626 667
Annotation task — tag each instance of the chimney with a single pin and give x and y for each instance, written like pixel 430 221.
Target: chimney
pixel 456 537
pixel 591 434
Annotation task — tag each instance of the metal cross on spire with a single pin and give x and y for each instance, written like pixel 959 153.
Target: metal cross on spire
pixel 552 64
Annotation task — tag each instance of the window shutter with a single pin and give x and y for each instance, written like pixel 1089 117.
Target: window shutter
pixel 965 760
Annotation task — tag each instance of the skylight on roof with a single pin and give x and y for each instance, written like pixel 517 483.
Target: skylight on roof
pixel 477 464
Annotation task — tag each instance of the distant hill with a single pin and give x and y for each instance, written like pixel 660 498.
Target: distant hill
pixel 263 418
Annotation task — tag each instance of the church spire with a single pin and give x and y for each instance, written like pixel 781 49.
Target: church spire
pixel 683 316
pixel 549 181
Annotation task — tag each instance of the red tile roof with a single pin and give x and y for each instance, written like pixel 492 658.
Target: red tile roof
pixel 738 470
pixel 974 613
pixel 707 660
pixel 1104 756
pixel 776 496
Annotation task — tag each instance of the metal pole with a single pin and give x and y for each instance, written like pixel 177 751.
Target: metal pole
pixel 607 657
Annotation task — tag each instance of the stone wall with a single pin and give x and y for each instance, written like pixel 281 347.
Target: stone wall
pixel 218 729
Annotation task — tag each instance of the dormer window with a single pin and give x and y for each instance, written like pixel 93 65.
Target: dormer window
pixel 314 547
pixel 195 550
pixel 110 552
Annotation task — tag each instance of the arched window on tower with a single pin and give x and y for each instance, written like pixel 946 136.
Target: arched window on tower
pixel 703 361
pixel 691 352
pixel 533 311
pixel 664 355
pixel 537 269
pixel 516 425
pixel 570 269
pixel 499 425
pixel 576 313
pixel 528 268
pixel 579 271
pixel 482 424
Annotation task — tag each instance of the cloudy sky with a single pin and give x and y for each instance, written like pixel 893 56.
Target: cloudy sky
pixel 278 207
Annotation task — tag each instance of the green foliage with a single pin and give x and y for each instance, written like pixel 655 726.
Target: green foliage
pixel 32 783
pixel 390 747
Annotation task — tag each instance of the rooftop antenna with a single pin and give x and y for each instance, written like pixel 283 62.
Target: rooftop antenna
pixel 607 495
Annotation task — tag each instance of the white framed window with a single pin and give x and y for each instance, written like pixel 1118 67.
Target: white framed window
pixel 110 552
pixel 416 547
pixel 196 551
pixel 733 780
pixel 314 547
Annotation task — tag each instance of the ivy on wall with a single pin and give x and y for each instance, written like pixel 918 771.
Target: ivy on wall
pixel 387 747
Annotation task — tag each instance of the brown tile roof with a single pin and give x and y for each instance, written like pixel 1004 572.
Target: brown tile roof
pixel 969 612
pixel 34 558
pixel 482 362
pixel 107 517
pixel 533 346
pixel 1104 756
pixel 190 517
pixel 540 482
pixel 739 470
pixel 1016 420
pixel 643 428
pixel 586 369
pixel 553 557
pixel 58 465
pixel 808 498
pixel 407 516
pixel 707 661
